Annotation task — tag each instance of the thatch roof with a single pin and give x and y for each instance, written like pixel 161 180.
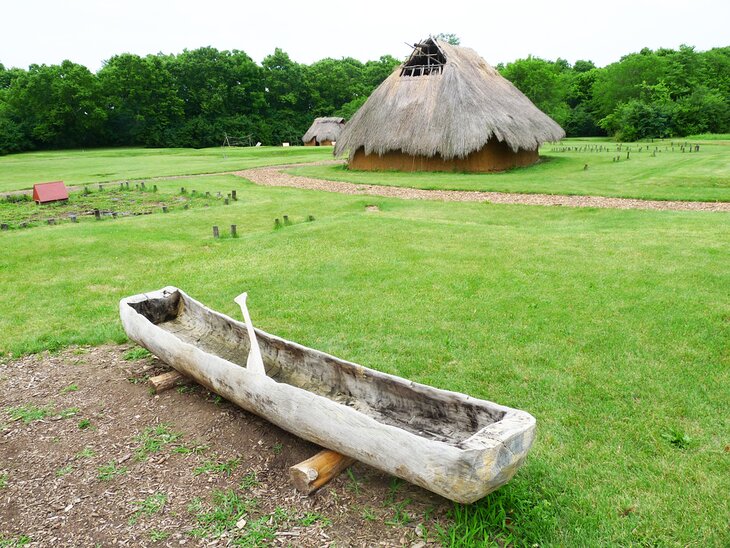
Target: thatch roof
pixel 452 110
pixel 324 129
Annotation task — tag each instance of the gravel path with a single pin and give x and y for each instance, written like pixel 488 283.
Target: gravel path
pixel 275 176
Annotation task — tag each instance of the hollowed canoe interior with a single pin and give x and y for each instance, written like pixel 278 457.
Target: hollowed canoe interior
pixel 397 402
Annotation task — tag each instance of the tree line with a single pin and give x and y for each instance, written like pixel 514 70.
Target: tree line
pixel 649 94
pixel 196 97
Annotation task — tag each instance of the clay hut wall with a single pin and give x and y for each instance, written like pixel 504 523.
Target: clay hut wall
pixel 494 156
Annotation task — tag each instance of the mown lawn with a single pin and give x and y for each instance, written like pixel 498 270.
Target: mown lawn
pixel 611 327
pixel 669 175
pixel 74 167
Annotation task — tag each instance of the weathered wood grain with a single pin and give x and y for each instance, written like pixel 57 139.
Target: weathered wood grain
pixel 450 443
pixel 165 381
pixel 314 473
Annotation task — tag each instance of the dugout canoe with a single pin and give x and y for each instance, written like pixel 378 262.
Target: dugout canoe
pixel 450 443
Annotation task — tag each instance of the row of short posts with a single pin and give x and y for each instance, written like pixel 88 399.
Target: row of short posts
pixel 216 232
pixel 277 224
pixel 686 147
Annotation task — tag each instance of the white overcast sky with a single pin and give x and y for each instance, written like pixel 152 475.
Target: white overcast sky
pixel 89 32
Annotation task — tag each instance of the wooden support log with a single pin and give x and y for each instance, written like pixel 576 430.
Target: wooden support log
pixel 317 471
pixel 163 382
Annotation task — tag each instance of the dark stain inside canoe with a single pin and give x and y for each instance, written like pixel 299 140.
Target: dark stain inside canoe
pixel 419 409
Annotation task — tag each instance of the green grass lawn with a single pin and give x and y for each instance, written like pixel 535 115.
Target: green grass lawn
pixel 701 176
pixel 21 171
pixel 611 327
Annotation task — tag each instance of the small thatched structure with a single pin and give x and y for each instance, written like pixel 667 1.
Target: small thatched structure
pixel 446 109
pixel 323 131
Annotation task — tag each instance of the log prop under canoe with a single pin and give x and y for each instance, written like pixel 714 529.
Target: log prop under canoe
pixel 452 444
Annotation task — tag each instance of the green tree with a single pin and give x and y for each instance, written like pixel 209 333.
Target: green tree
pixel 449 38
pixel 287 98
pixel 57 106
pixel 545 83
pixel 141 100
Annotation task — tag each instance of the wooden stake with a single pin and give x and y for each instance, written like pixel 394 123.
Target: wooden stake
pixel 317 471
pixel 163 382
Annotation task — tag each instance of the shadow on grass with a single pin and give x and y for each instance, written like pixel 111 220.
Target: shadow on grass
pixel 522 513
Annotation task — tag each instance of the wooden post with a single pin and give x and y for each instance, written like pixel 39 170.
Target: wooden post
pixel 127 184
pixel 233 231
pixel 73 219
pixel 310 218
pixel 186 206
pixel 164 209
pixel 4 226
pixel 225 201
pixel 286 220
pixel 233 195
pixel 97 214
pixel 182 190
pixel 163 382
pixel 315 472
pixel 101 187
pixel 277 223
pixel 215 232
pixel 207 194
pixel 142 185
pixel 154 188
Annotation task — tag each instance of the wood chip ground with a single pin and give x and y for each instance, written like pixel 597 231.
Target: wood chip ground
pixel 50 490
pixel 275 176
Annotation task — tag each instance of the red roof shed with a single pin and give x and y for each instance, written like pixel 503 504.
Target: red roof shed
pixel 49 192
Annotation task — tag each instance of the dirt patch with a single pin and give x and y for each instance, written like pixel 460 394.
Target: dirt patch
pixel 24 213
pixel 274 176
pixel 88 455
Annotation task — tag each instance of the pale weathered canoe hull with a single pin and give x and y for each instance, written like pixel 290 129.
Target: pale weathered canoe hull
pixel 463 470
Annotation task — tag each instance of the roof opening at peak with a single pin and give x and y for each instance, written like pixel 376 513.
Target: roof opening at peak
pixel 427 58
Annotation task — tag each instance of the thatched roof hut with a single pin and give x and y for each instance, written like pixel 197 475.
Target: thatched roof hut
pixel 323 131
pixel 446 109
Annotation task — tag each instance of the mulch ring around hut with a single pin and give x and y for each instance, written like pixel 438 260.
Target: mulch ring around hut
pixel 88 455
pixel 276 176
